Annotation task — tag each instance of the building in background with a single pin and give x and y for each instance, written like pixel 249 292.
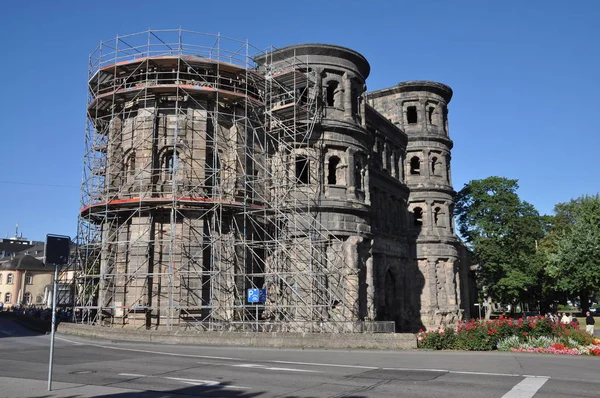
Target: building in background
pixel 231 188
pixel 23 278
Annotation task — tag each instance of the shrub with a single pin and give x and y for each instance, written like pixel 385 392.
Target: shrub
pixel 438 339
pixel 532 334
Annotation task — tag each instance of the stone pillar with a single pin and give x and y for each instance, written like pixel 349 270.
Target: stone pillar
pixel 347 83
pixel 426 167
pixel 319 83
pixel 432 282
pixel 429 209
pixel 351 172
pixel 371 282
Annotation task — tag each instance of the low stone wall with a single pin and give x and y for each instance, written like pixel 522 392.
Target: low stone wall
pixel 384 341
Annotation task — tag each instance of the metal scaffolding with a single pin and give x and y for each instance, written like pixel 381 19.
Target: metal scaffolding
pixel 202 182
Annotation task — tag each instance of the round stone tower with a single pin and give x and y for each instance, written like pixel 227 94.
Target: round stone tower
pixel 325 147
pixel 424 110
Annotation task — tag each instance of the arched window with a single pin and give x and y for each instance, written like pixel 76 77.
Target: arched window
pixel 7 298
pixel 0 279
pixel 27 298
pixel 418 216
pixel 332 88
pixel 334 161
pixel 415 165
pixel 302 170
pixel 9 279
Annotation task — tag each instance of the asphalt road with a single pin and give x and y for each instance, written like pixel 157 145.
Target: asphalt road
pixel 85 368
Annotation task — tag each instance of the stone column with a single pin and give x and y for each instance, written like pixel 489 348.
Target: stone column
pixel 347 83
pixel 351 172
pixel 426 163
pixel 422 114
pixel 371 281
pixel 432 282
pixel 429 209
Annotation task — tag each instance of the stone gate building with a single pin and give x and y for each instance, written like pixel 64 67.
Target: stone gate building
pixel 269 191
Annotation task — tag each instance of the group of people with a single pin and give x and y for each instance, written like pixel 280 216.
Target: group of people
pixel 568 319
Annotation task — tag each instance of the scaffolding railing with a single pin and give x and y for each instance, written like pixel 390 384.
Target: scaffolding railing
pixel 203 178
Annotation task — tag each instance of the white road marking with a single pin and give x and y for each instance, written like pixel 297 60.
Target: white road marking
pixel 69 341
pixel 333 365
pixel 226 358
pixel 195 382
pixel 263 367
pixel 419 370
pixel 483 373
pixel 526 388
pixel 145 351
pixel 457 372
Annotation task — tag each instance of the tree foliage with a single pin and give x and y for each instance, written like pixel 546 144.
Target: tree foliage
pixel 574 246
pixel 503 232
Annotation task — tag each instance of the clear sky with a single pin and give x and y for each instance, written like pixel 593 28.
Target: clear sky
pixel 525 76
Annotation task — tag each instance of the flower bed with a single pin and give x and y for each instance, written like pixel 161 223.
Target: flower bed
pixel 532 334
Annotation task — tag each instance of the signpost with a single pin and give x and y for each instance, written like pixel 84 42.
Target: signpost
pixel 257 296
pixel 56 254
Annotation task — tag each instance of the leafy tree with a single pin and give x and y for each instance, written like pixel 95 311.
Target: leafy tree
pixel 574 254
pixel 503 232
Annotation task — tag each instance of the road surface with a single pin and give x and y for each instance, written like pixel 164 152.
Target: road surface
pixel 86 368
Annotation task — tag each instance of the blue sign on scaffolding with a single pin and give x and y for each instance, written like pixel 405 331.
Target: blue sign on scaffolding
pixel 257 295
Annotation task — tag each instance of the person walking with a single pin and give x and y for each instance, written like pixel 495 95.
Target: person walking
pixel 589 323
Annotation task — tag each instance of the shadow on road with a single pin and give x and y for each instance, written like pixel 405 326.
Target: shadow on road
pixel 221 390
pixel 13 325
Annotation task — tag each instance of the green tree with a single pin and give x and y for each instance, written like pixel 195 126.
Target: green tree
pixel 503 232
pixel 574 252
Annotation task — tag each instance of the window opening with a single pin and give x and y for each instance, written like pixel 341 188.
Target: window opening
pixel 9 279
pixel 171 163
pixel 27 298
pixel 7 298
pixel 302 170
pixel 436 215
pixel 331 89
pixel 29 279
pixel 430 113
pixel 130 166
pixel 418 216
pixel 358 175
pixel 411 115
pixel 334 161
pixel 434 162
pixel 415 165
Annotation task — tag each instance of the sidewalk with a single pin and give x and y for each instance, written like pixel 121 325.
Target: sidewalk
pixel 11 387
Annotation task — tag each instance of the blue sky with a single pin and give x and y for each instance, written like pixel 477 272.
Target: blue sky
pixel 525 76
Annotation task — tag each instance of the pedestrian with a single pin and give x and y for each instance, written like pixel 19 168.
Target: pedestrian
pixel 589 323
pixel 565 319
